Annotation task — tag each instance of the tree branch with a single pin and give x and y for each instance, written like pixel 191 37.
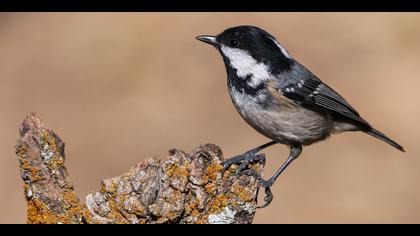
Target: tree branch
pixel 181 188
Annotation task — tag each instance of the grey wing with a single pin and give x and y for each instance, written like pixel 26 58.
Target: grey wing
pixel 314 94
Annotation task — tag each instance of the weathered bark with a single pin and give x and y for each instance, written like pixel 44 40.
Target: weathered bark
pixel 181 188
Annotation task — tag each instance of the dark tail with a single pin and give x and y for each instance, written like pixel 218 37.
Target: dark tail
pixel 377 134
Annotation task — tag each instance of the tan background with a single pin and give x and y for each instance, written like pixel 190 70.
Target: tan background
pixel 119 88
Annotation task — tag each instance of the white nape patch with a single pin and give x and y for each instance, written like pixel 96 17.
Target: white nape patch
pixel 283 50
pixel 246 65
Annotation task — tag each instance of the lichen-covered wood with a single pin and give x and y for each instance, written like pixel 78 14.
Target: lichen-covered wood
pixel 181 188
pixel 48 188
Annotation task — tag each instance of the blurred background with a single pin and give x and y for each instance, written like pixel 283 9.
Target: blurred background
pixel 119 88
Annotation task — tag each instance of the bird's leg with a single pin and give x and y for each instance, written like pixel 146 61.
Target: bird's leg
pixel 295 151
pixel 248 157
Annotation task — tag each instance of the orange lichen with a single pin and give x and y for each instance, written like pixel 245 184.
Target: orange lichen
pixel 242 192
pixel 218 203
pixel 102 188
pixel 34 174
pixel 26 189
pixel 192 207
pixel 25 165
pixel 213 170
pixel 139 209
pixel 181 172
pixel 59 161
pixel 229 172
pixel 211 188
pixel 171 215
pixel 176 196
pixel 21 151
pixel 115 215
pixel 202 220
pixel 39 213
pixel 195 213
pixel 111 186
pixel 178 171
pixel 49 139
pixel 142 221
pixel 72 203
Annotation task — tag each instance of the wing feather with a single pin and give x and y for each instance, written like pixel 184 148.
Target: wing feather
pixel 313 93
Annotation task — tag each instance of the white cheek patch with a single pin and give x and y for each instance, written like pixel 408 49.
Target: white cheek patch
pixel 282 49
pixel 246 65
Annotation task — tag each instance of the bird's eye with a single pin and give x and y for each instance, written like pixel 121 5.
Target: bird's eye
pixel 234 42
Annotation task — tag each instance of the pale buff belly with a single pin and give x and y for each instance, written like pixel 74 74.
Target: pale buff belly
pixel 285 124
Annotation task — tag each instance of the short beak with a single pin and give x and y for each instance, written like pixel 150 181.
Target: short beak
pixel 208 39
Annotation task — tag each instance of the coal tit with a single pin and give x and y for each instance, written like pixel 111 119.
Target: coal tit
pixel 280 98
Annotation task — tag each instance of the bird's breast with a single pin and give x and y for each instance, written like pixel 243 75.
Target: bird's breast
pixel 282 122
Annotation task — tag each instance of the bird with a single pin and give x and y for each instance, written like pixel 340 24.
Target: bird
pixel 280 98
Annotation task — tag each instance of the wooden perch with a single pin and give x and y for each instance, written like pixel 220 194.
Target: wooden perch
pixel 181 188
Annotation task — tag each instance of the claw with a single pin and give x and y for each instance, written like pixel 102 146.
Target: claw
pixel 240 159
pixel 244 160
pixel 267 199
pixel 266 184
pixel 242 167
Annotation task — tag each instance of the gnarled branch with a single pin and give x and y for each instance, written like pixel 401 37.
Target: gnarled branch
pixel 181 188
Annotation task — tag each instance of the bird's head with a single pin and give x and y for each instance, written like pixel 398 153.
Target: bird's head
pixel 249 49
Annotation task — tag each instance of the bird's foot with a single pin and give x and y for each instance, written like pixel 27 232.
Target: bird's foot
pixel 266 184
pixel 244 160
